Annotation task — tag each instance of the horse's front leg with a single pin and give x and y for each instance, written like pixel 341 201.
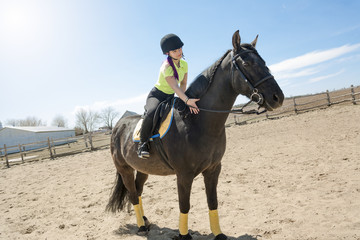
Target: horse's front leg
pixel 184 183
pixel 211 177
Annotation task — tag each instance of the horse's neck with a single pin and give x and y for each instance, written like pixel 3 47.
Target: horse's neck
pixel 220 96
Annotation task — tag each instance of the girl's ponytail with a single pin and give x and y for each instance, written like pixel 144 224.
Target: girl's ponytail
pixel 170 61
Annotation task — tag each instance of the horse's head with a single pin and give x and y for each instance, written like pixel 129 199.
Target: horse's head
pixel 251 76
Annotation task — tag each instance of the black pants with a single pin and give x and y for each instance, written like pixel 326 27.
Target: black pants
pixel 153 100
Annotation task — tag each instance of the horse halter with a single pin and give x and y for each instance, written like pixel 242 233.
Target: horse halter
pixel 255 95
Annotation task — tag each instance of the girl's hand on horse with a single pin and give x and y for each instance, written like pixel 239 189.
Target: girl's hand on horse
pixel 192 105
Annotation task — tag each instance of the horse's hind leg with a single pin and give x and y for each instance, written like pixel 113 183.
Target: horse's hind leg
pixel 127 174
pixel 139 183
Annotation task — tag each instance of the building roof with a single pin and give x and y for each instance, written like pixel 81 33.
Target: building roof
pixel 40 129
pixel 128 113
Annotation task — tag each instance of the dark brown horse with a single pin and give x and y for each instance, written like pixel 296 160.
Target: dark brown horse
pixel 194 144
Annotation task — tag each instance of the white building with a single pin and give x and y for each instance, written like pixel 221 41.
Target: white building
pixel 13 136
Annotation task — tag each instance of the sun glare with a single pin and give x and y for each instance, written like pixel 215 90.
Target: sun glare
pixel 23 27
pixel 16 19
pixel 18 22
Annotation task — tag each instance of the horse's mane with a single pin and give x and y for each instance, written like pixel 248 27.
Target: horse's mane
pixel 202 82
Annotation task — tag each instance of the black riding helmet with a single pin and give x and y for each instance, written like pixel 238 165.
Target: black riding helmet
pixel 170 42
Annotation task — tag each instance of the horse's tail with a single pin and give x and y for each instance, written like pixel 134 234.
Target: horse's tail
pixel 119 196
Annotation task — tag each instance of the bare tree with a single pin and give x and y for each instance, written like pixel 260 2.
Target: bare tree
pixel 94 119
pixel 59 121
pixel 87 120
pixel 27 122
pixel 32 122
pixel 82 120
pixel 12 122
pixel 108 115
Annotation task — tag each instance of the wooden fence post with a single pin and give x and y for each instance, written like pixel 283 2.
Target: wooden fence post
pixel 52 143
pixel 328 98
pixel 51 155
pixel 295 105
pixel 6 156
pixel 353 95
pixel 21 154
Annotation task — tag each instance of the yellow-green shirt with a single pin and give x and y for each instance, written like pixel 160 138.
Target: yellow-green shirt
pixel 166 71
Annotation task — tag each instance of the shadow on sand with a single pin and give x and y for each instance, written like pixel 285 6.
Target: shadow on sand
pixel 157 233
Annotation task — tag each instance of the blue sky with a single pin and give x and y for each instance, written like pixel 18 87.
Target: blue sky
pixel 57 56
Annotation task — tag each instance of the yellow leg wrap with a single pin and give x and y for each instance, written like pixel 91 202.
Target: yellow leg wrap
pixel 141 207
pixel 214 222
pixel 139 217
pixel 183 224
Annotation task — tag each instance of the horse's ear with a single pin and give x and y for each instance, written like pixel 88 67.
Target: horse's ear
pixel 236 40
pixel 253 43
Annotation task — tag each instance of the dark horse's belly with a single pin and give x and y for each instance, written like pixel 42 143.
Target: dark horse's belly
pixel 153 165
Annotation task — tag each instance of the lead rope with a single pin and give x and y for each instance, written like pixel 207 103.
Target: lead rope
pixel 234 111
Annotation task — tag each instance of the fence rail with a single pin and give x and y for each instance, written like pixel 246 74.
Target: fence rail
pixel 301 104
pixel 52 148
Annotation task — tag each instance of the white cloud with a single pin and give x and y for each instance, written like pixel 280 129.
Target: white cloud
pixel 311 58
pixel 346 30
pixel 317 79
pixel 120 104
pixel 310 64
pixel 134 104
pixel 354 57
pixel 301 73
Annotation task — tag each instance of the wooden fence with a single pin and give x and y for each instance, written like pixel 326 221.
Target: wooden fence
pixel 301 104
pixel 65 146
pixel 52 148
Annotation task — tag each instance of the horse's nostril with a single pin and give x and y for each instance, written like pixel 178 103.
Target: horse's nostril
pixel 276 98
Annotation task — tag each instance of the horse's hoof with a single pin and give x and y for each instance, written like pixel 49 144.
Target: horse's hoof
pixel 147 222
pixel 221 237
pixel 184 237
pixel 142 231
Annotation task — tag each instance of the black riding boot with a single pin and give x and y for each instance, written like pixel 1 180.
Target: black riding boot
pixel 145 132
pixel 143 150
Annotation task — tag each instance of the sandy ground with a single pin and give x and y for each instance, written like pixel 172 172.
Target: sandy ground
pixel 293 178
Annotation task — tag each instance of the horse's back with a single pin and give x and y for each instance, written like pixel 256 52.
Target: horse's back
pixel 123 131
pixel 124 149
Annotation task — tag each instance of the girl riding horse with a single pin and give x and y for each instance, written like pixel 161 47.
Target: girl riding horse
pixel 173 71
pixel 196 143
